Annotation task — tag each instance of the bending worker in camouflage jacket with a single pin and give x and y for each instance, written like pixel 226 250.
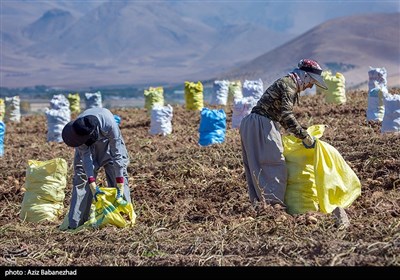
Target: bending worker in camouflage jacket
pixel 262 148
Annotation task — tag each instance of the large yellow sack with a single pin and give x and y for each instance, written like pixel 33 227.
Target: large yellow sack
pixel 107 210
pixel 301 193
pixel 319 179
pixel 45 185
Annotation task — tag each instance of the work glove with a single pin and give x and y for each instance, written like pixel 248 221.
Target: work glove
pixel 120 191
pixel 309 142
pixel 94 188
pixel 120 187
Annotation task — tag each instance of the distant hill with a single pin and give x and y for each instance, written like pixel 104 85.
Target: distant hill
pixel 128 42
pixel 48 26
pixel 348 45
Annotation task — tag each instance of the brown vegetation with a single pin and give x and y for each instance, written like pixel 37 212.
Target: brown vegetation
pixel 192 202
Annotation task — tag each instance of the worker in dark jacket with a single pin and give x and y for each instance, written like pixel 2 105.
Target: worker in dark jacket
pixel 98 143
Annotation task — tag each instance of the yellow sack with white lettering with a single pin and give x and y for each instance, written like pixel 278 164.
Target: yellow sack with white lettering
pixel 107 210
pixel 319 179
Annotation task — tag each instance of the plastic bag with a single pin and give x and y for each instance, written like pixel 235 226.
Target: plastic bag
pixel 107 210
pixel 319 179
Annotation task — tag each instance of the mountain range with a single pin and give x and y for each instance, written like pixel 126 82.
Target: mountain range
pixel 349 45
pixel 95 43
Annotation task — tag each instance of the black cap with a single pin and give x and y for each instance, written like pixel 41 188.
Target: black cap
pixel 76 133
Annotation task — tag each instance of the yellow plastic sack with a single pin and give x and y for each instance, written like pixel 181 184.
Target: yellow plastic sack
pixel 153 96
pixel 319 179
pixel 74 102
pixel 301 193
pixel 336 92
pixel 324 74
pixel 2 109
pixel 107 210
pixel 45 185
pixel 234 91
pixel 194 96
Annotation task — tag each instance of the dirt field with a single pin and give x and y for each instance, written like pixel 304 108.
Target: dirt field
pixel 192 204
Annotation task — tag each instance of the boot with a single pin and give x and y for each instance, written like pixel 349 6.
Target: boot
pixel 342 220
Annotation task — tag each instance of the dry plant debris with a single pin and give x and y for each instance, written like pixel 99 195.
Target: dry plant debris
pixel 192 202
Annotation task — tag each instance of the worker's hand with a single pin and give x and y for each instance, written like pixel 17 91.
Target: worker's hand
pixel 94 188
pixel 309 142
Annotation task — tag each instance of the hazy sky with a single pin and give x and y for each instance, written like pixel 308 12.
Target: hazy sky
pixel 291 16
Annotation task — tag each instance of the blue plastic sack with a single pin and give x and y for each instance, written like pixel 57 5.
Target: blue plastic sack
pixel 212 127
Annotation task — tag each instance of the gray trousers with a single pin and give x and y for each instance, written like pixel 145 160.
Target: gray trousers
pixel 82 196
pixel 263 159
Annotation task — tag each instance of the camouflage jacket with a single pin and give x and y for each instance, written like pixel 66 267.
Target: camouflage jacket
pixel 277 104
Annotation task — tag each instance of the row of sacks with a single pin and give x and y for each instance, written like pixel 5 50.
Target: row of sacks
pixel 243 101
pixel 224 92
pixel 154 96
pixel 73 101
pixel 59 113
pixel 61 108
pixel 212 121
pixel 10 106
pixel 212 126
pixel 161 115
pixel 91 99
pixel 382 105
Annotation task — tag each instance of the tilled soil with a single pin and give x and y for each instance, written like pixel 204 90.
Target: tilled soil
pixel 192 204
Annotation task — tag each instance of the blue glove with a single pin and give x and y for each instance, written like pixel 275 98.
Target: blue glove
pixel 309 142
pixel 95 190
pixel 120 186
pixel 120 191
